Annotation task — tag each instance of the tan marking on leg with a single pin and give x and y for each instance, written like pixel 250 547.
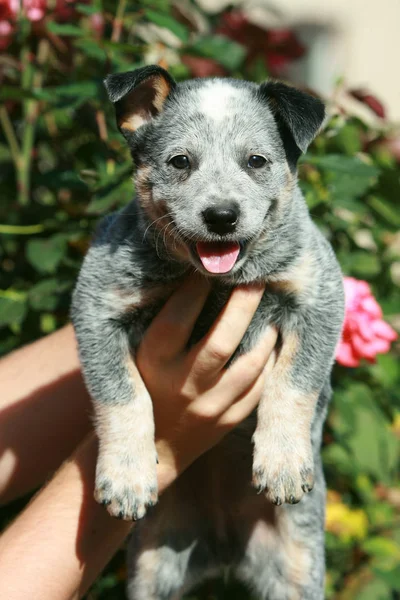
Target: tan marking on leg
pixel 126 478
pixel 268 531
pixel 283 461
pixel 124 301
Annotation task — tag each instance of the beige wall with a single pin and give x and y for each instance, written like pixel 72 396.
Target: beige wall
pixel 357 39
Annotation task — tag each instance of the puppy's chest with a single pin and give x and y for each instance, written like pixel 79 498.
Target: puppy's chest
pixel 275 308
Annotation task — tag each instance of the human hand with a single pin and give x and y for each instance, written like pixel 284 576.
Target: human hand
pixel 196 400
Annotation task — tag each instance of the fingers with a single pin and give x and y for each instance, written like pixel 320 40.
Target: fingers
pixel 243 407
pixel 216 348
pixel 170 330
pixel 254 369
pixel 235 382
pixel 245 371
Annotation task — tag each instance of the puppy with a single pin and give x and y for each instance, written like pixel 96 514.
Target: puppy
pixel 216 192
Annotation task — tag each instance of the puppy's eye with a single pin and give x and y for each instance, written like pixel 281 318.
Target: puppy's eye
pixel 256 161
pixel 180 161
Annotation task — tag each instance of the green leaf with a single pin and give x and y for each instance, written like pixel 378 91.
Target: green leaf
pixel 351 165
pixel 109 197
pixel 126 48
pixel 21 229
pixel 87 89
pixel 5 154
pixel 58 178
pixel 375 590
pixel 386 370
pixel 383 207
pixel 348 139
pixel 164 20
pixel 347 178
pixel 228 53
pixel 88 9
pixel 44 296
pixel 365 431
pixel 338 459
pixel 360 263
pixel 91 48
pixel 48 322
pixel 384 552
pixel 46 254
pixel 8 92
pixel 65 29
pixel 13 308
pixel 390 577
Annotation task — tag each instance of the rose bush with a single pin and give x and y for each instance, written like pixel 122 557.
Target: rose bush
pixel 63 165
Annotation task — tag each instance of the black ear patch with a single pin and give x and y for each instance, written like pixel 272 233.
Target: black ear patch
pixel 298 115
pixel 139 95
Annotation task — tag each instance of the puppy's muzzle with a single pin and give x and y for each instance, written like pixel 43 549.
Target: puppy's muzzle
pixel 221 219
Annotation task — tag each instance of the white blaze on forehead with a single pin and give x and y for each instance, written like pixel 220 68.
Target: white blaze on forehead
pixel 215 99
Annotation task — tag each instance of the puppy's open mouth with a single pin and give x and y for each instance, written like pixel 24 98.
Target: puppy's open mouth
pixel 218 257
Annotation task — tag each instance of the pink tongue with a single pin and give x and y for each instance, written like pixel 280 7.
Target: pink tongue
pixel 218 257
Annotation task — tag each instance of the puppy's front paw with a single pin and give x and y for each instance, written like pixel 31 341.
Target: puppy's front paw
pixel 126 483
pixel 284 470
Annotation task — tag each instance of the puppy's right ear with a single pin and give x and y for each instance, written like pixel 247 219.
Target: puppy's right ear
pixel 138 96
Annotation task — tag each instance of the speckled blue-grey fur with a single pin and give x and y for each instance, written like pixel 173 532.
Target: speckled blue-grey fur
pixel 212 519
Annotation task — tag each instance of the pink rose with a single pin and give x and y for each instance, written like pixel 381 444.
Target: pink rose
pixel 35 10
pixel 6 32
pixel 365 334
pixel 97 23
pixel 8 13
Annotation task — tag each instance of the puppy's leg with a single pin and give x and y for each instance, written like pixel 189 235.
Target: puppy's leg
pixel 284 556
pixel 283 459
pixel 126 480
pixel 168 553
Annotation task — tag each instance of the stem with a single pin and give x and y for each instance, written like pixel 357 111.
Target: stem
pixel 30 79
pixel 21 229
pixel 118 21
pixel 10 136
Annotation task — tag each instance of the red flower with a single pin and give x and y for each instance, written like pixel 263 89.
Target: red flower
pixel 8 13
pixel 372 101
pixel 203 67
pixel 365 334
pixel 8 9
pixel 65 10
pixel 277 47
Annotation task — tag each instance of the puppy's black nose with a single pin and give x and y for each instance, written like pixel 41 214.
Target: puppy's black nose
pixel 221 219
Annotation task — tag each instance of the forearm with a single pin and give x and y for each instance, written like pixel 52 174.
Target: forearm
pixel 64 538
pixel 44 411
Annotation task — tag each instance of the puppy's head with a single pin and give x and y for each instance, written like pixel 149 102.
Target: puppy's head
pixel 216 158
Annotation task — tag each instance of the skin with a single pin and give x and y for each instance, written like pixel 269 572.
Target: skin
pixel 202 403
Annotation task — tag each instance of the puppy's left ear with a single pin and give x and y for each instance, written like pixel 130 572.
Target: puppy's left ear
pixel 296 112
pixel 138 96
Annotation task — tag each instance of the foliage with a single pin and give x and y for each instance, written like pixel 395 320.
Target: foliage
pixel 63 165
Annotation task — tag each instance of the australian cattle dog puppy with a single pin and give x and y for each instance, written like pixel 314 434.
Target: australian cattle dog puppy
pixel 217 192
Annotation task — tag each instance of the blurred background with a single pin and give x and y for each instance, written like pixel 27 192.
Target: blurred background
pixel 63 165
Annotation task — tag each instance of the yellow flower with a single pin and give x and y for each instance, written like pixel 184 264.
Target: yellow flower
pixel 346 523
